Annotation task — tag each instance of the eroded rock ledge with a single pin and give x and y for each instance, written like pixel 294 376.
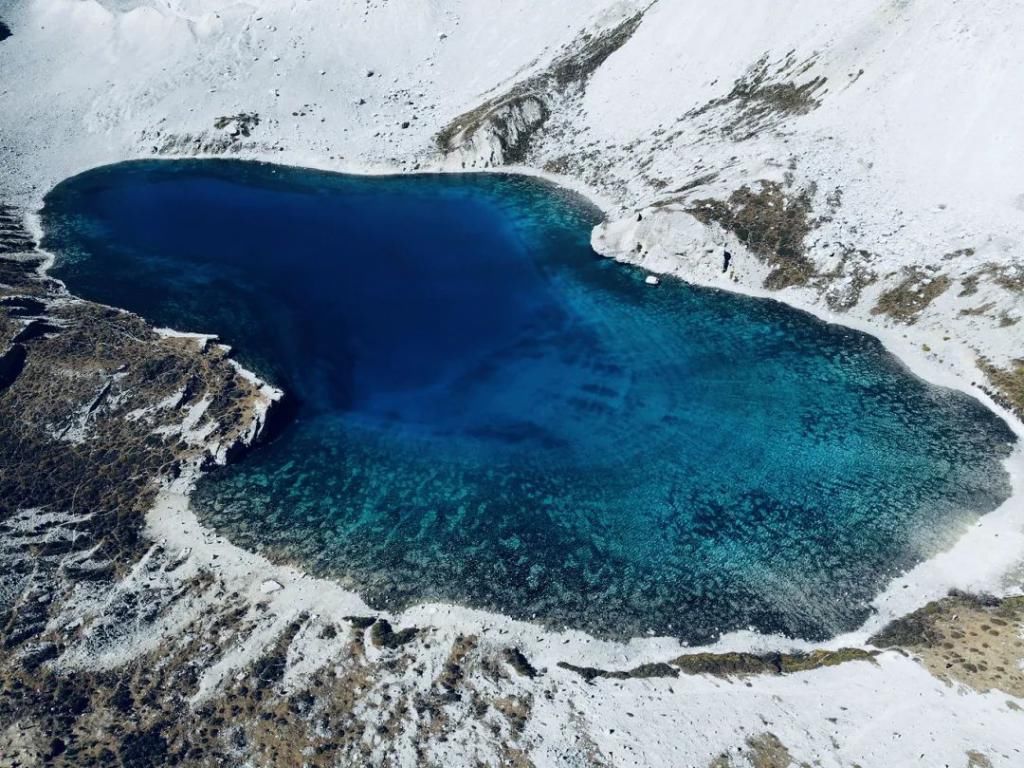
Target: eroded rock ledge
pixel 499 130
pixel 729 664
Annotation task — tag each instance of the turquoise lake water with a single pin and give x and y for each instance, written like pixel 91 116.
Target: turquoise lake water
pixel 489 414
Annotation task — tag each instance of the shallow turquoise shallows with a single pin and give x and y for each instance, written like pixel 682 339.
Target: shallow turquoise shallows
pixel 492 415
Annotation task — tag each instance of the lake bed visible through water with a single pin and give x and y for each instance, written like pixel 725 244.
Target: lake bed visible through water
pixel 489 414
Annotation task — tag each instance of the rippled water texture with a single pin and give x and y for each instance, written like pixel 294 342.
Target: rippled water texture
pixel 492 415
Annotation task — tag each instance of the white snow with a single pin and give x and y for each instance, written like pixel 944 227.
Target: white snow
pixel 269 586
pixel 885 714
pixel 920 129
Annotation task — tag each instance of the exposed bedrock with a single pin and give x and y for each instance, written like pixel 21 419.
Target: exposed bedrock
pixel 728 664
pixel 498 136
pixel 14 238
pixel 500 131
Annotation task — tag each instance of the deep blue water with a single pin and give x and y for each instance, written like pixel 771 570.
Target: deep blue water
pixel 491 414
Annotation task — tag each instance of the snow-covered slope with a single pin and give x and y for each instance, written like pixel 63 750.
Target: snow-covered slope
pixel 860 159
pixel 879 138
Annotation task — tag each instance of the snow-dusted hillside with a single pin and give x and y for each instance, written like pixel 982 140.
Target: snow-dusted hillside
pixel 878 141
pixel 860 159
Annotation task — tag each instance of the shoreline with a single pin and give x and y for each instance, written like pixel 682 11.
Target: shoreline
pixel 864 153
pixel 1000 530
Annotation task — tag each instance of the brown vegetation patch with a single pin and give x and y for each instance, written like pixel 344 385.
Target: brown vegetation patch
pixel 84 380
pixel 979 311
pixel 1009 277
pixel 1008 384
pixel 739 664
pixel 636 673
pixel 969 286
pixel 906 301
pixel 765 95
pixel 763 750
pixel 728 664
pixel 975 640
pixel 771 223
pixel 516 709
pixel 768 752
